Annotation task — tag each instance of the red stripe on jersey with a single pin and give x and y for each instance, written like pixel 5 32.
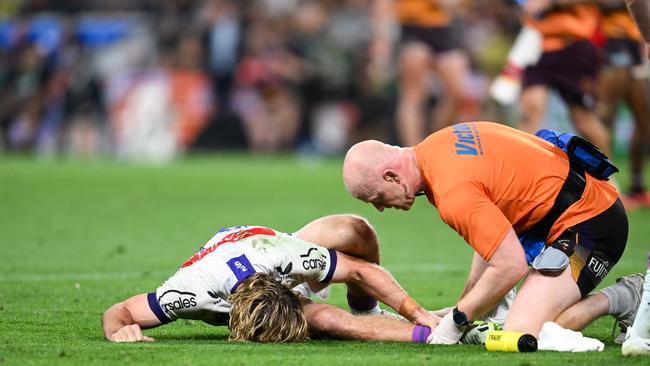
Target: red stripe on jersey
pixel 230 238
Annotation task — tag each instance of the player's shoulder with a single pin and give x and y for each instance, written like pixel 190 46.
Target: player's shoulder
pixel 237 233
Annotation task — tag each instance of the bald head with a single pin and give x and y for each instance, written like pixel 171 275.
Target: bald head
pixel 364 164
pixel 385 176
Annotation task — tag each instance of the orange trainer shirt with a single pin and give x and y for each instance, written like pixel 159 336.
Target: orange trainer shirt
pixel 619 24
pixel 421 13
pixel 486 178
pixel 561 27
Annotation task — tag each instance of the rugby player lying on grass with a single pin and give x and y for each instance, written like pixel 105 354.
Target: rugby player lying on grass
pixel 243 275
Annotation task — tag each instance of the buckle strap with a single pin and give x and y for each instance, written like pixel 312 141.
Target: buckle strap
pixel 570 193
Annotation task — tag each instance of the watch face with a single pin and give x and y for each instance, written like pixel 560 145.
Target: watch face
pixel 460 318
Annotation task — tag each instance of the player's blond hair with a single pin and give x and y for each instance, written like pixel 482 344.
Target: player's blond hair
pixel 264 310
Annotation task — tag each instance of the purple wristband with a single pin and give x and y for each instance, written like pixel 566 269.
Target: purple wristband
pixel 420 334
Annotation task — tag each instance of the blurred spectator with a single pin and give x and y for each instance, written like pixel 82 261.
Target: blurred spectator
pixel 149 79
pixel 263 97
pixel 625 78
pixel 569 64
pixel 430 42
pixel 166 107
pixel 224 29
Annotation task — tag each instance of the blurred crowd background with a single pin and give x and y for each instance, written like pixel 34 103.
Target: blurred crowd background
pixel 149 79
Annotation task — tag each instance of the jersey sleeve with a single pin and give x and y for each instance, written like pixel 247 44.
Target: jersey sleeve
pixel 304 261
pixel 184 296
pixel 468 210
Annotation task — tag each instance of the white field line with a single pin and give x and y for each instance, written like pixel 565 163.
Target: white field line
pixel 106 276
pixel 426 268
pixel 97 276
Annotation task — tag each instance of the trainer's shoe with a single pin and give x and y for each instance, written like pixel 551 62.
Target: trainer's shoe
pixel 635 345
pixel 478 331
pixel 624 299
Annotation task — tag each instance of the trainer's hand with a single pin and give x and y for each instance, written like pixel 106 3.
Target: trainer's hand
pixel 130 333
pixel 441 312
pixel 447 332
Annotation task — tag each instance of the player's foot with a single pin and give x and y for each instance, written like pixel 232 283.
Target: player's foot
pixel 635 345
pixel 624 299
pixel 390 314
pixel 478 332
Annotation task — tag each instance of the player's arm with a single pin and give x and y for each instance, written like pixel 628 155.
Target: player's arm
pixel 124 321
pixel 380 284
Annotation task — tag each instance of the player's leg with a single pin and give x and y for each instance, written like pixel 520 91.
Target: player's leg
pixel 588 125
pixel 577 85
pixel 332 321
pixel 349 234
pixel 637 98
pixel 611 88
pixel 585 311
pixel 452 70
pixel 533 105
pixel 352 235
pixel 637 337
pixel 414 67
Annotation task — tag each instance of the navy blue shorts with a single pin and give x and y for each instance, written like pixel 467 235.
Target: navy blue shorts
pixel 599 244
pixel 438 39
pixel 571 71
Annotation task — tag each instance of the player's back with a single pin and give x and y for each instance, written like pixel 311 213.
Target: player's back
pixel 518 172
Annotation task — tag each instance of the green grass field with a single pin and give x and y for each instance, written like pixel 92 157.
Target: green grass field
pixel 78 236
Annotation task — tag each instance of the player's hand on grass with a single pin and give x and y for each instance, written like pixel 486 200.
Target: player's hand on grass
pixel 447 332
pixel 130 333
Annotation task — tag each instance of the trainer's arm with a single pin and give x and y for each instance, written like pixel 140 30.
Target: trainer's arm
pixel 378 283
pixel 504 269
pixel 124 321
pixel 476 271
pixel 640 11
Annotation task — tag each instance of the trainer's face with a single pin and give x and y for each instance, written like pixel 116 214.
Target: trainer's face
pixel 392 194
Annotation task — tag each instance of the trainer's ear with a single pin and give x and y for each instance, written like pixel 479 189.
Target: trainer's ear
pixel 391 176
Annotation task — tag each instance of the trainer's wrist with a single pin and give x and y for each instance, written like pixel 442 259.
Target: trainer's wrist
pixel 460 318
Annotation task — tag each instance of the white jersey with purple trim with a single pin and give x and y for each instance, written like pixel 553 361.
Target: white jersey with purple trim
pixel 200 288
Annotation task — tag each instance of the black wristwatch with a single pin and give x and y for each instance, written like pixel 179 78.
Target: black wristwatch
pixel 460 318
